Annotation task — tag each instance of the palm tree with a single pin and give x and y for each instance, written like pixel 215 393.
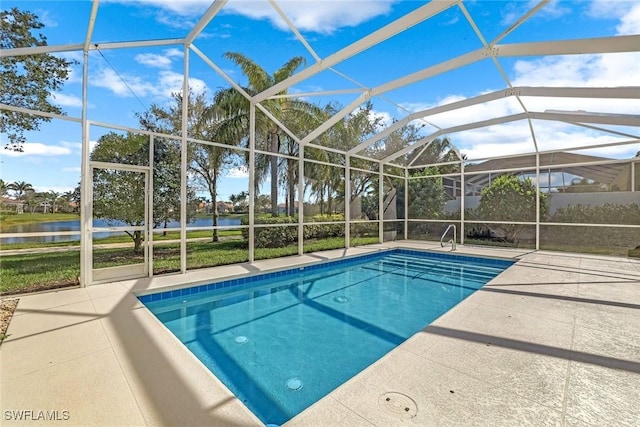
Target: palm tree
pixel 20 188
pixel 293 113
pixel 68 197
pixel 34 200
pixel 438 151
pixel 4 188
pixel 239 200
pixel 54 196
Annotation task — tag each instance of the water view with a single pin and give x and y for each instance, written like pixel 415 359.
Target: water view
pixel 60 226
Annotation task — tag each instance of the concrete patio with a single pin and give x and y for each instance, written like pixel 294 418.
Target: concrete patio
pixel 554 340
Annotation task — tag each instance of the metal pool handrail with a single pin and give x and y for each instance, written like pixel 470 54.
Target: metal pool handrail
pixel 452 241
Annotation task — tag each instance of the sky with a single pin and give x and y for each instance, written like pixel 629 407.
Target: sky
pixel 124 82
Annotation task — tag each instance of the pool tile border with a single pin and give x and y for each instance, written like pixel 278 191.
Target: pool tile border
pixel 239 281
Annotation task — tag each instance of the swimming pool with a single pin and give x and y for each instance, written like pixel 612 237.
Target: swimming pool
pixel 281 341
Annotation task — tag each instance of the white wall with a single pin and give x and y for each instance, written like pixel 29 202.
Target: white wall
pixel 562 200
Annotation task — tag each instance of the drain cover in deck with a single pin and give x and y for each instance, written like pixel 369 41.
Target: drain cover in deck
pixel 398 405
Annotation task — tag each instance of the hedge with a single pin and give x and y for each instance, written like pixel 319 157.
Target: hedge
pixel 281 236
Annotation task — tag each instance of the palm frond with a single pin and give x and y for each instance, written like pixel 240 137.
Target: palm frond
pixel 259 79
pixel 289 68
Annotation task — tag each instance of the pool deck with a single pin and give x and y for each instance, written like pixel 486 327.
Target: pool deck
pixel 553 340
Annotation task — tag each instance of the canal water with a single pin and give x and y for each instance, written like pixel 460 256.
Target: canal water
pixel 59 226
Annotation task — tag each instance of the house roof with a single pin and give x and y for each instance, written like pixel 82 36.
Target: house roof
pixel 580 165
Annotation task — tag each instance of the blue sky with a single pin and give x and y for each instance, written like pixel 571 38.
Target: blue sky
pixel 51 160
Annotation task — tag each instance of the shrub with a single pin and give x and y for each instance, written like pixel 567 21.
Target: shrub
pixel 606 214
pixel 365 229
pixel 601 237
pixel 281 236
pixel 508 198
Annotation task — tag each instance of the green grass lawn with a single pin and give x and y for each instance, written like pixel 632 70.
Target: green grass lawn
pixel 32 272
pixel 159 236
pixel 32 218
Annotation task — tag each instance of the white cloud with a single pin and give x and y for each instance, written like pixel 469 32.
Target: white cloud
pixel 513 11
pixel 630 22
pixel 72 55
pixel 183 7
pixel 311 15
pixel 308 15
pixel 453 20
pixel 74 76
pixel 474 113
pixel 609 9
pixel 71 169
pixel 515 138
pixel 65 100
pixel 167 82
pixel 77 146
pixel 170 82
pixel 73 145
pixel 45 17
pixel 159 61
pixel 239 172
pixel 173 53
pixel 57 189
pixel 38 149
pixel 617 152
pixel 75 70
pixel 153 60
pixel 627 12
pixel 108 79
pixel 384 118
pixel 601 70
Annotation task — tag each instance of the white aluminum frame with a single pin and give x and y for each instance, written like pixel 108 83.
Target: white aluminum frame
pixel 109 274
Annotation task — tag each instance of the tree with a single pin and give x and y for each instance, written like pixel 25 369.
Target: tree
pixel 427 197
pixel 509 198
pixel 437 151
pixel 37 199
pixel 347 133
pixel 207 162
pixel 289 111
pixel 4 188
pixel 20 188
pixel 263 203
pixel 54 197
pixel 69 199
pixel 75 198
pixel 240 203
pixel 118 195
pixel 26 80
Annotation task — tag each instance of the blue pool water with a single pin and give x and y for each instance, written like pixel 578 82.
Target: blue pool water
pixel 281 341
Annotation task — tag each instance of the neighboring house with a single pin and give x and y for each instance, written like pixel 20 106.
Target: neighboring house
pixel 74 207
pixel 9 203
pixel 224 207
pixel 561 176
pixel 282 208
pixel 616 176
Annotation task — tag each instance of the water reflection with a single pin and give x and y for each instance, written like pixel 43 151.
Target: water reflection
pixel 60 226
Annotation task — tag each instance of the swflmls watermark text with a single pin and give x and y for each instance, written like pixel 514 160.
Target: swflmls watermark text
pixel 36 415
